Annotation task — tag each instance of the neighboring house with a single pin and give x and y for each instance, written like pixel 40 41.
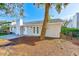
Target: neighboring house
pixel 74 21
pixel 34 28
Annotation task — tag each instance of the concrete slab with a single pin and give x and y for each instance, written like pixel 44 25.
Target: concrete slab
pixel 10 36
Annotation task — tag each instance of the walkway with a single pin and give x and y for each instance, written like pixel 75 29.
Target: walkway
pixel 10 36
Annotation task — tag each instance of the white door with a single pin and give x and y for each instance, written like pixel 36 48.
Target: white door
pixel 29 31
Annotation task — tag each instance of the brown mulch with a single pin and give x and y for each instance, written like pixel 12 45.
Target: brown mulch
pixel 32 46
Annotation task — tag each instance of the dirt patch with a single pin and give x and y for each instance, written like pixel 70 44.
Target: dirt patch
pixel 71 39
pixel 32 46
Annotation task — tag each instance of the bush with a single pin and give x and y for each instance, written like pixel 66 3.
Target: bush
pixel 70 31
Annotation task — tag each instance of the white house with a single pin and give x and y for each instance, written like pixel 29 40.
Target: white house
pixel 74 21
pixel 34 28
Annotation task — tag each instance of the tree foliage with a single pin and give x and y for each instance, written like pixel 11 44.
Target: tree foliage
pixel 12 9
pixel 58 6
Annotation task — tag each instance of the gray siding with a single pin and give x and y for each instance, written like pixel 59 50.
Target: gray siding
pixel 77 20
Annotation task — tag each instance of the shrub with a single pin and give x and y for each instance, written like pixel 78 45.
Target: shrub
pixel 70 31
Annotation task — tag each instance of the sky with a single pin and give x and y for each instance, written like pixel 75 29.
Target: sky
pixel 32 13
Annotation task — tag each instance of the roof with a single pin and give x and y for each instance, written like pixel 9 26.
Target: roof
pixel 39 22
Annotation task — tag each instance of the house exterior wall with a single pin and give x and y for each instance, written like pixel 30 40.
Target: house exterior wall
pixel 12 29
pixel 74 21
pixel 53 30
pixel 15 27
pixel 25 31
pixel 77 20
pixel 29 29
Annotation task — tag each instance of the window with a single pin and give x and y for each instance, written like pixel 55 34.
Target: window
pixel 37 30
pixel 33 29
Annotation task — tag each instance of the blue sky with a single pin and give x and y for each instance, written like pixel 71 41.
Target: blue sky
pixel 32 13
pixel 69 11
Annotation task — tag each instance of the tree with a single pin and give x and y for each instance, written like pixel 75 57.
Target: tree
pixel 58 7
pixel 66 23
pixel 12 9
pixel 46 18
pixel 3 7
pixel 15 9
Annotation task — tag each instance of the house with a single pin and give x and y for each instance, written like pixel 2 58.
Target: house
pixel 34 28
pixel 74 21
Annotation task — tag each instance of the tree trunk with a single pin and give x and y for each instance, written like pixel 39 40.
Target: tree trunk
pixel 45 22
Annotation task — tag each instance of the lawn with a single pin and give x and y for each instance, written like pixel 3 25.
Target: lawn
pixel 1 34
